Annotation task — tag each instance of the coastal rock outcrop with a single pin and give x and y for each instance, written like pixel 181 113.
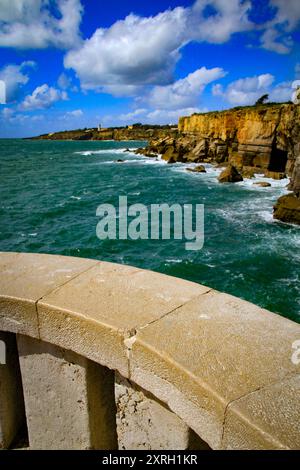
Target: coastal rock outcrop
pixel 262 139
pixel 230 175
pixel 287 209
pixel 197 169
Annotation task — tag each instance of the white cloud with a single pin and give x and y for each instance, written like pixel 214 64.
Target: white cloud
pixel 11 116
pixel 76 113
pixel 139 51
pixel 135 51
pixel 15 76
pixel 43 97
pixel 7 113
pixel 276 42
pixel 227 17
pixel 166 116
pixel 28 24
pixel 282 92
pixel 129 117
pixel 245 90
pixel 288 13
pixel 167 103
pixel 153 116
pixel 64 82
pixel 277 37
pixel 184 93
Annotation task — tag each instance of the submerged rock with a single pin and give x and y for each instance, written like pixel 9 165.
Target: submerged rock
pixel 230 175
pixel 262 184
pixel 197 169
pixel 287 209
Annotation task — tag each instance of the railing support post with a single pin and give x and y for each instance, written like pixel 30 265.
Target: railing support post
pixel 69 400
pixel 145 423
pixel 11 396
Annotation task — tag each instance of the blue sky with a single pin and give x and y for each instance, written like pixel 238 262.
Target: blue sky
pixel 76 63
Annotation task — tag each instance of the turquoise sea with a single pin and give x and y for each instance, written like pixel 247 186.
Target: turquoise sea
pixel 50 192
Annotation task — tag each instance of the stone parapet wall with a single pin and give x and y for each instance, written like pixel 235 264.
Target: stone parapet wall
pixel 220 368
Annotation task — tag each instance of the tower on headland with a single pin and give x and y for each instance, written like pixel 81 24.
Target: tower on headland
pixel 99 127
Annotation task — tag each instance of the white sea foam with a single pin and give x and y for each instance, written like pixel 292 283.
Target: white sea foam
pixel 258 178
pixel 267 216
pixel 106 152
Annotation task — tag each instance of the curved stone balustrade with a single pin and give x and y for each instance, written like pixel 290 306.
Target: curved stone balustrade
pixel 188 361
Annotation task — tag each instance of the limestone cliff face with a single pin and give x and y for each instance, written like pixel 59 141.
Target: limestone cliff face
pixel 266 137
pixel 142 134
pixel 258 139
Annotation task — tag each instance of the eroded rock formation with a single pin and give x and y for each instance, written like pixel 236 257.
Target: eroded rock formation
pixel 260 139
pixel 230 175
pixel 287 209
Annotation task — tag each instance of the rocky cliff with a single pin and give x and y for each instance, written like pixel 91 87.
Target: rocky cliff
pixel 259 139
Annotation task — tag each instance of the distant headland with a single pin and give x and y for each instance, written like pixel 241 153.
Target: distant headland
pixel 132 132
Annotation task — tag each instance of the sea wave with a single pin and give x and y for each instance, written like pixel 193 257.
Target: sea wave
pixel 119 151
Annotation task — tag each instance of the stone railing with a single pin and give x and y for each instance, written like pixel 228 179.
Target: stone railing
pixel 105 356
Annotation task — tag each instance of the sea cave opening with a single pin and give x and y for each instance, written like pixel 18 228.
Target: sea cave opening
pixel 278 160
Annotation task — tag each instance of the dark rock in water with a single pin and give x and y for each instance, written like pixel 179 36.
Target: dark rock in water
pixel 127 150
pixel 120 161
pixel 230 175
pixel 262 184
pixel 197 169
pixel 287 209
pixel 146 152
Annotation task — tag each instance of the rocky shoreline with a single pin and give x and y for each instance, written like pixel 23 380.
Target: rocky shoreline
pixel 263 139
pixel 246 141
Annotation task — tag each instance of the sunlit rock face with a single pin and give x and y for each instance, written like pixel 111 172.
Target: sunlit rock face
pixel 266 137
pixel 259 139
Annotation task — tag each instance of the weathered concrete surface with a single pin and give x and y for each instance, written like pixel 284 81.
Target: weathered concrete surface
pixel 24 279
pixel 68 399
pixel 12 414
pixel 211 358
pixel 266 419
pixel 210 352
pixel 95 313
pixel 145 424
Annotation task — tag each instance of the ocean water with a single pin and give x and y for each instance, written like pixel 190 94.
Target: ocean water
pixel 50 192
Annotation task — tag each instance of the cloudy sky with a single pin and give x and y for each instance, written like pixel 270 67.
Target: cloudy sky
pixel 76 63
